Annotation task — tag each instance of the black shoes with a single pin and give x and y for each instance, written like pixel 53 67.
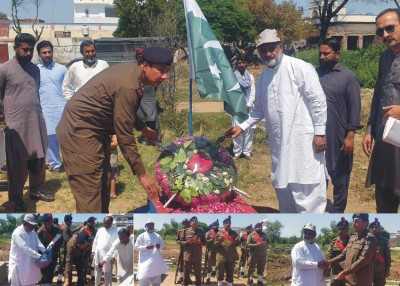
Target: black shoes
pixel 39 196
pixel 259 283
pixel 180 280
pixel 213 273
pixel 242 274
pixel 208 281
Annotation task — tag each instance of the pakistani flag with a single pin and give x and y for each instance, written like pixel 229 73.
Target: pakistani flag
pixel 209 65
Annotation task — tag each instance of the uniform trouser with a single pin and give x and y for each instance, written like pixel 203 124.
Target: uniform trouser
pixel 155 281
pixel 243 143
pixel 211 260
pixel 53 152
pixel 225 267
pixel 379 278
pixel 18 171
pixel 2 148
pixel 340 178
pixel 107 268
pixel 79 264
pixel 243 257
pixel 181 264
pixel 258 261
pixel 196 265
pixel 48 272
pixel 338 283
pixel 386 200
pixel 302 198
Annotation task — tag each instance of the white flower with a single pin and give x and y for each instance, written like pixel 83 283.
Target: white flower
pixel 189 172
pixel 195 151
pixel 217 192
pixel 184 167
pixel 224 173
pixel 205 179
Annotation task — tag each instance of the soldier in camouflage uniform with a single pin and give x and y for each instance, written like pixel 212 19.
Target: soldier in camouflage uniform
pixel 257 243
pixel 225 243
pixel 244 250
pixel 337 246
pixel 210 238
pixel 179 236
pixel 382 258
pixel 358 256
pixel 193 240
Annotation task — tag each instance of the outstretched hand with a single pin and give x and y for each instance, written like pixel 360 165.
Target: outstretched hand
pixel 151 187
pixel 391 111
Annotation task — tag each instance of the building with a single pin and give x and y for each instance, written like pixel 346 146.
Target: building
pixel 95 11
pixel 355 31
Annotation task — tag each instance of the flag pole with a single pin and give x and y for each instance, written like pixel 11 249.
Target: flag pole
pixel 190 107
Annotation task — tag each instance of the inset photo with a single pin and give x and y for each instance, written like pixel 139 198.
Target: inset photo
pixel 66 249
pixel 267 249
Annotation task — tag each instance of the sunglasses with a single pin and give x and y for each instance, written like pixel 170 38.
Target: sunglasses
pixel 389 29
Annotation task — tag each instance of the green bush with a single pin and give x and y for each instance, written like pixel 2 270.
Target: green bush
pixel 364 62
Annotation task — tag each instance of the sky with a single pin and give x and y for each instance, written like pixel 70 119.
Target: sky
pixel 62 11
pixel 293 223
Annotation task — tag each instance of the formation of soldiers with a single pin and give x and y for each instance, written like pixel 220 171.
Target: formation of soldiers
pixel 71 246
pixel 221 253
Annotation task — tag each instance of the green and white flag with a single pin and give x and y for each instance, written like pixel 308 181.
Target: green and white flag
pixel 209 65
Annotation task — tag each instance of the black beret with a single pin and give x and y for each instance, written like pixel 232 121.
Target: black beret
pixel 342 222
pixel 375 223
pixel 364 217
pixel 228 219
pixel 193 218
pixel 47 217
pixel 185 221
pixel 249 226
pixel 259 224
pixel 68 218
pixel 210 226
pixel 215 223
pixel 158 56
pixel 82 237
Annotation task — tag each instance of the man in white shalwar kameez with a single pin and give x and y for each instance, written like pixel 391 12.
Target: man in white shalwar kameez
pixel 307 260
pixel 290 98
pixel 24 254
pixel 122 250
pixel 102 243
pixel 151 263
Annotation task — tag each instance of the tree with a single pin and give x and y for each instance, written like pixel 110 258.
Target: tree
pixel 3 16
pixel 15 6
pixel 286 18
pixel 274 231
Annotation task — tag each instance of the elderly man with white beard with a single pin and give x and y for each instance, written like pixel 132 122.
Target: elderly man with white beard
pixel 151 263
pixel 24 254
pixel 307 260
pixel 122 250
pixel 102 243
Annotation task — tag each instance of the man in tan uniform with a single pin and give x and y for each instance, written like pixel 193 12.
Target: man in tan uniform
pixel 193 241
pixel 358 256
pixel 257 243
pixel 104 106
pixel 244 249
pixel 382 258
pixel 225 243
pixel 210 238
pixel 179 237
pixel 336 248
pixel 76 247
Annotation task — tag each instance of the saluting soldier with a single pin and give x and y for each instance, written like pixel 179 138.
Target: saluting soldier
pixel 337 246
pixel 193 241
pixel 210 238
pixel 225 243
pixel 243 249
pixel 257 243
pixel 179 237
pixel 382 258
pixel 358 256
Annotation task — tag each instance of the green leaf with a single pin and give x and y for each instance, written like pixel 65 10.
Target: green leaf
pixel 165 169
pixel 165 160
pixel 181 157
pixel 172 165
pixel 186 195
pixel 187 143
pixel 193 192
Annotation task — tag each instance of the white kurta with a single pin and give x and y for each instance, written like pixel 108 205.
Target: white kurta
pixel 24 254
pixel 292 101
pixel 101 245
pixel 124 256
pixel 151 262
pixel 305 259
pixel 78 74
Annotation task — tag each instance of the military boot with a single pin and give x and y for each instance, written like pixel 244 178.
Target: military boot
pixel 259 283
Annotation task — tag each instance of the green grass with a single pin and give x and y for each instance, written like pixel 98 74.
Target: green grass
pixel 5 239
pixel 395 254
